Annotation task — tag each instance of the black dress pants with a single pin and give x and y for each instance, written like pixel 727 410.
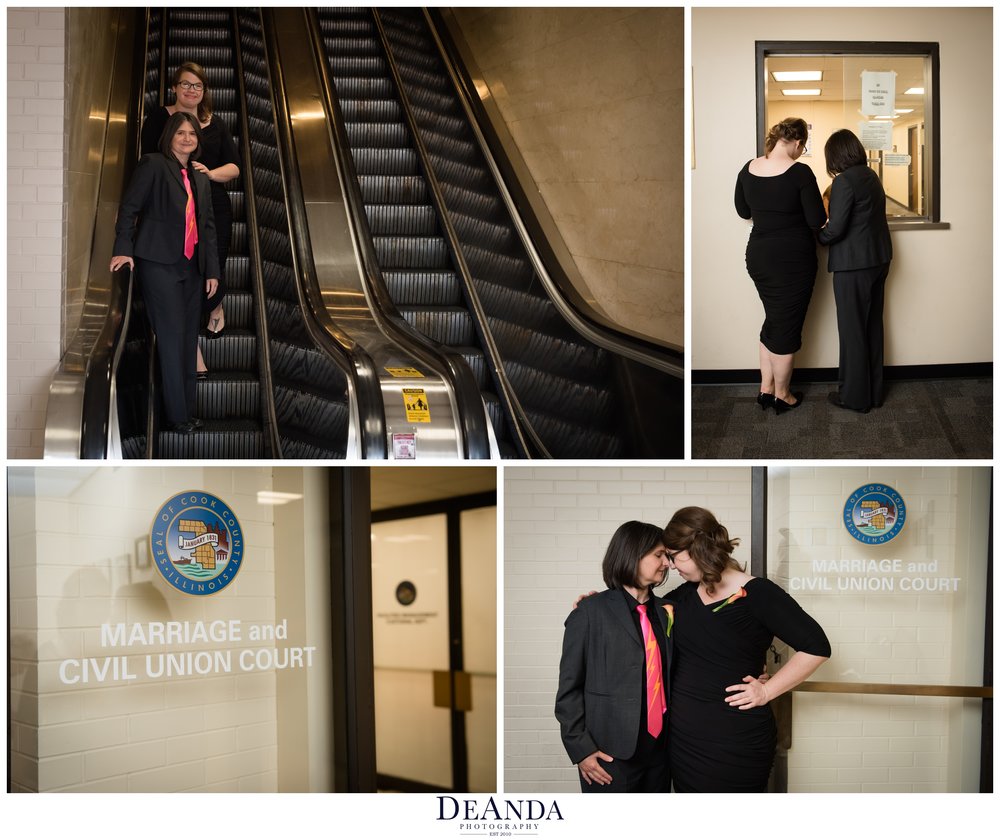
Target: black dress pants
pixel 173 295
pixel 860 297
pixel 647 771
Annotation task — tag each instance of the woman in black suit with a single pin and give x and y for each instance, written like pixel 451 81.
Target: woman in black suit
pixel 612 697
pixel 859 257
pixel 218 158
pixel 166 230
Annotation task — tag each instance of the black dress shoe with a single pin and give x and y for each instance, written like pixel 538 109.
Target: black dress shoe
pixel 780 406
pixel 765 401
pixel 834 399
pixel 184 428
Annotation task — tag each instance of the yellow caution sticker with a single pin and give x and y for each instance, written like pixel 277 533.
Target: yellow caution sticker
pixel 417 408
pixel 404 373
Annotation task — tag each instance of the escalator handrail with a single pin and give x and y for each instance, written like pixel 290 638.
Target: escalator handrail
pixel 103 354
pixel 353 359
pixel 528 441
pixel 253 245
pixel 468 398
pixel 551 272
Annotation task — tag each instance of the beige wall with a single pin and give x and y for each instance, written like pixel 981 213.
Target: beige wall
pixel 594 99
pixel 939 296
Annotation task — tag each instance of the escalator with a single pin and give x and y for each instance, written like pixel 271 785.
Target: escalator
pixel 458 270
pixel 271 392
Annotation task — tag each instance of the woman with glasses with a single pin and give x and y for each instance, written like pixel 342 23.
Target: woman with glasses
pixel 722 731
pixel 219 160
pixel 782 198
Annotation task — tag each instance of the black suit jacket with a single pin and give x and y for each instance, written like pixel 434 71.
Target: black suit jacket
pixel 599 701
pixel 151 216
pixel 857 232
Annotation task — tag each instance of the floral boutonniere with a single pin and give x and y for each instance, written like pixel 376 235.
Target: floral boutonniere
pixel 669 610
pixel 740 593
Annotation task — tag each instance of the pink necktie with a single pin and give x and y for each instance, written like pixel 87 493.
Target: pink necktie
pixel 190 223
pixel 656 703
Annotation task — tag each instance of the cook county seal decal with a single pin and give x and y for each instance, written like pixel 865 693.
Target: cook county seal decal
pixel 197 543
pixel 874 513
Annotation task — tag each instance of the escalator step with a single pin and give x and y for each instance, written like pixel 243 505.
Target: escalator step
pixel 411 251
pixel 219 439
pixel 304 367
pixel 385 161
pixel 451 325
pixel 377 135
pixel 371 111
pixel 238 271
pixel 591 405
pixel 393 189
pixel 561 357
pixel 357 66
pixel 233 350
pixel 570 440
pixel 401 219
pixel 240 315
pixel 358 87
pixel 228 397
pixel 424 288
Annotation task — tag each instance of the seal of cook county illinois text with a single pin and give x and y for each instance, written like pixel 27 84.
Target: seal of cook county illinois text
pixel 874 513
pixel 197 543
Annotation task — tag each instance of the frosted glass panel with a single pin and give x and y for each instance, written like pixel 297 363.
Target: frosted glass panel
pixel 411 735
pixel 479 589
pixel 481 735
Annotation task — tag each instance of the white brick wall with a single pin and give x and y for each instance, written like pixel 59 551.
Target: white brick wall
pixel 558 521
pixel 73 566
pixel 35 218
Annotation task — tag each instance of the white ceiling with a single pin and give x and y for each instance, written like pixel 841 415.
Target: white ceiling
pixel 402 485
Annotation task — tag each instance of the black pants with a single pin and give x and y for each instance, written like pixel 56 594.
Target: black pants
pixel 173 295
pixel 647 771
pixel 860 297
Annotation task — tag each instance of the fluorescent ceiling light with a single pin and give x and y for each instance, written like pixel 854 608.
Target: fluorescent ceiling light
pixel 273 497
pixel 914 91
pixel 797 75
pixel 803 92
pixel 903 110
pixel 885 117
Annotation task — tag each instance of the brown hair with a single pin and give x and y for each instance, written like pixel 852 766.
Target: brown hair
pixel 790 129
pixel 844 150
pixel 629 544
pixel 205 106
pixel 697 531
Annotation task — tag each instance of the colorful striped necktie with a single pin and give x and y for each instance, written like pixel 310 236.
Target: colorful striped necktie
pixel 656 703
pixel 190 222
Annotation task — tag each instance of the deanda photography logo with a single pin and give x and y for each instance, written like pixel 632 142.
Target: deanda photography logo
pixel 197 543
pixel 496 816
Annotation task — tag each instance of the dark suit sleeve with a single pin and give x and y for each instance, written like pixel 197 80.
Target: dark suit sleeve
pixel 136 195
pixel 841 208
pixel 206 226
pixel 812 200
pixel 742 206
pixel 570 694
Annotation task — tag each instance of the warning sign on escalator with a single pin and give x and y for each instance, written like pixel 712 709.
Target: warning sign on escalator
pixel 404 372
pixel 417 409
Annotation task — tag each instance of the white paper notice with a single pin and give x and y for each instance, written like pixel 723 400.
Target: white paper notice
pixel 896 160
pixel 878 93
pixel 876 135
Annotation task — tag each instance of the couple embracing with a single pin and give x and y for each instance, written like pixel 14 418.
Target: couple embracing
pixel 780 194
pixel 659 693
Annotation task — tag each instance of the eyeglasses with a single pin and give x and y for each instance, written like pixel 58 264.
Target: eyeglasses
pixel 671 555
pixel 195 86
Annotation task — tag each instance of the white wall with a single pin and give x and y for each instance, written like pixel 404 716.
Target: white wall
pixel 558 521
pixel 35 219
pixel 939 298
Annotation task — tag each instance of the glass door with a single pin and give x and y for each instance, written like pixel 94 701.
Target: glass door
pixel 894 562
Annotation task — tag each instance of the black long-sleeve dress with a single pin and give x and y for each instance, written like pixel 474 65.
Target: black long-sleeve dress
pixel 714 747
pixel 217 149
pixel 781 253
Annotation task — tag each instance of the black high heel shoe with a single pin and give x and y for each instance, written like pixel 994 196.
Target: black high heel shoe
pixel 780 406
pixel 765 401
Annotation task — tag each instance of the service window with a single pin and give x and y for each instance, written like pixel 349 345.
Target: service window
pixel 884 92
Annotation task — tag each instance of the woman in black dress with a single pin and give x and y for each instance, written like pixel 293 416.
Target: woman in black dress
pixel 782 198
pixel 219 160
pixel 722 735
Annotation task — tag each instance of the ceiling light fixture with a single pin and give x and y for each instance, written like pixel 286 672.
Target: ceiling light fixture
pixel 803 92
